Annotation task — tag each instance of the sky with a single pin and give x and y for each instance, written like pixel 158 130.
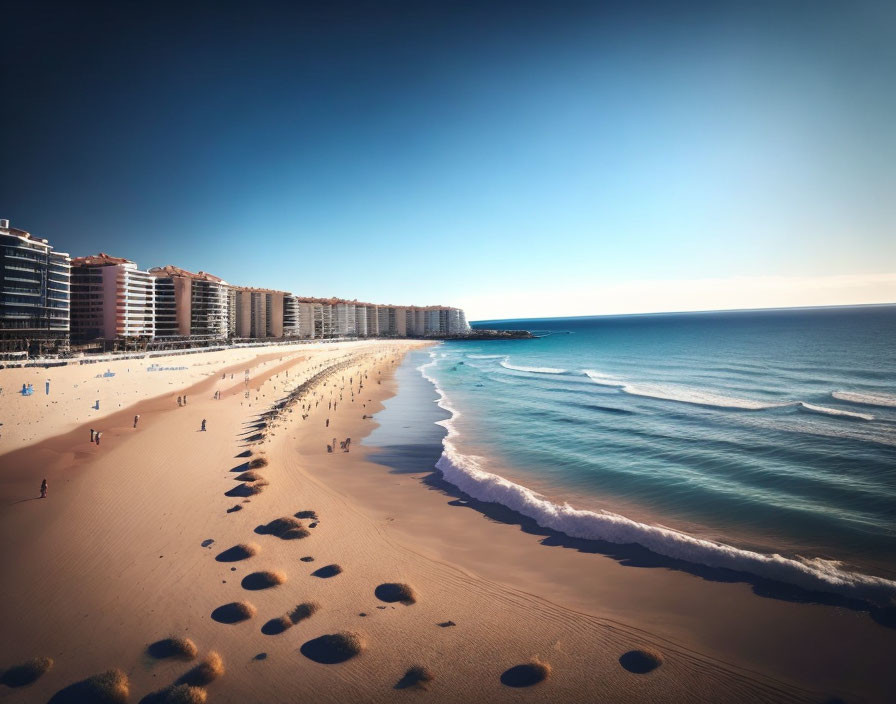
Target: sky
pixel 517 159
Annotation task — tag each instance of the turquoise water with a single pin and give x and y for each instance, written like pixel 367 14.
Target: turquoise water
pixel 762 441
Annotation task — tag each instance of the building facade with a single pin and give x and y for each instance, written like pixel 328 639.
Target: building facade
pixel 111 299
pixel 345 320
pixel 35 290
pixel 189 305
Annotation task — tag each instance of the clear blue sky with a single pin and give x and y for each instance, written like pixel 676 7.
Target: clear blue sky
pixel 515 158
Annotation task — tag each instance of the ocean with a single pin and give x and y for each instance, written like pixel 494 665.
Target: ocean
pixel 759 441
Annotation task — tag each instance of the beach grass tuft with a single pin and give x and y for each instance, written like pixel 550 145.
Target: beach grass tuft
pixel 243 551
pixel 258 462
pixel 206 672
pixel 263 580
pixel 641 661
pixel 234 612
pixel 286 528
pixel 333 648
pixel 304 610
pixel 527 674
pixel 27 672
pixel 250 476
pixel 247 489
pixel 173 648
pixel 392 592
pixel 416 676
pixel 109 687
pixel 311 515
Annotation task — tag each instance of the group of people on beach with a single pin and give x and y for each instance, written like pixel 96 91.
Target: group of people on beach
pixel 344 445
pixel 182 400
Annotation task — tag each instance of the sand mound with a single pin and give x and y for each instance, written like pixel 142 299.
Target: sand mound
pixel 641 661
pixel 263 580
pixel 110 687
pixel 176 694
pixel 206 672
pixel 258 463
pixel 239 552
pixel 247 489
pixel 327 571
pixel 287 528
pixel 312 515
pixel 416 676
pixel 526 675
pixel 333 648
pixel 234 612
pixel 173 648
pixel 250 476
pixel 393 591
pixel 27 672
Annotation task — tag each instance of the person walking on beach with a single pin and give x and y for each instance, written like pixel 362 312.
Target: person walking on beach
pixel 136 418
pixel 98 438
pixel 179 404
pixel 92 434
pixel 203 425
pixel 185 399
pixel 43 489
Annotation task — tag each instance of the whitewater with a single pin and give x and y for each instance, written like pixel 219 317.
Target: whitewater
pixel 465 472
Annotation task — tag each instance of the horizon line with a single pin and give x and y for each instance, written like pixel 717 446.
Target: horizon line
pixel 679 312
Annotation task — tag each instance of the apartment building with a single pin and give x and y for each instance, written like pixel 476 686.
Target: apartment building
pixel 432 321
pixel 456 322
pixel 292 316
pixel 323 318
pixel 382 320
pixel 46 298
pixel 360 319
pixel 306 318
pixel 190 305
pixel 373 320
pixel 345 320
pixel 111 299
pixel 35 290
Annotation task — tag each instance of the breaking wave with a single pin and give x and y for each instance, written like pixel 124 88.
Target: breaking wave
pixel 824 410
pixel 466 473
pixel 700 397
pixel 535 370
pixel 679 393
pixel 866 399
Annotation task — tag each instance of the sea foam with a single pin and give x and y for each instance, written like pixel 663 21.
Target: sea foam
pixel 466 473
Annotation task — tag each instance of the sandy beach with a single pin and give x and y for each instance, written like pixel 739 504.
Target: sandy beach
pixel 158 530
